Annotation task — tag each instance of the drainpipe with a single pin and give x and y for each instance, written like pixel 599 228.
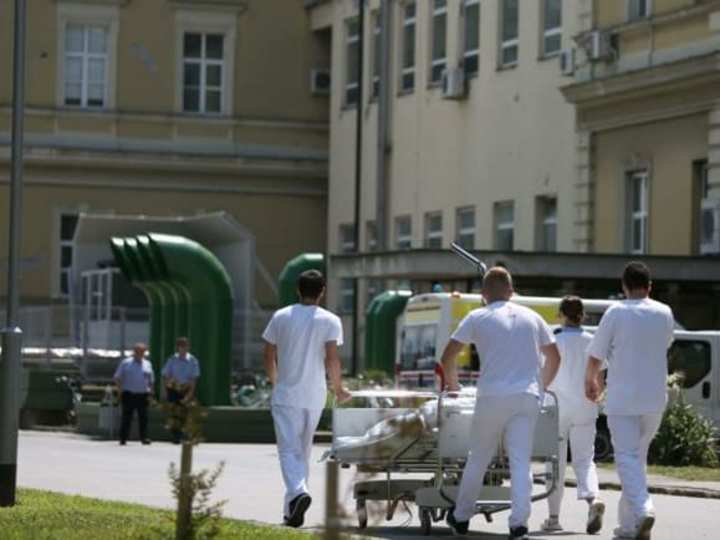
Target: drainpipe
pixel 383 138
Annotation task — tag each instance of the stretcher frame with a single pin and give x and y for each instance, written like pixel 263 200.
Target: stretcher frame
pixel 435 493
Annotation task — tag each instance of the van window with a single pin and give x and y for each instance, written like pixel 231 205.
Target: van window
pixel 691 359
pixel 418 347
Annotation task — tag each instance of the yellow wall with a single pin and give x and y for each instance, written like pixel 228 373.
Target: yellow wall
pixel 670 147
pixel 612 12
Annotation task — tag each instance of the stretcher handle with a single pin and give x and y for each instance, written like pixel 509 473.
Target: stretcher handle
pixel 440 372
pixel 480 266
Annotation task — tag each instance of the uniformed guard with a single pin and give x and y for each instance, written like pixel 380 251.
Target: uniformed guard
pixel 135 380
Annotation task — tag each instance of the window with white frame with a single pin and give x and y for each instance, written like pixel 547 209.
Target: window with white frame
pixel 547 224
pixel 509 32
pixel 347 238
pixel 638 215
pixel 346 296
pixel 377 56
pixel 433 230
pixel 471 37
pixel 371 236
pixel 68 224
pixel 504 214
pixel 352 52
pixel 639 9
pixel 438 59
pixel 465 227
pixel 552 27
pixel 407 73
pixel 85 68
pixel 403 232
pixel 203 66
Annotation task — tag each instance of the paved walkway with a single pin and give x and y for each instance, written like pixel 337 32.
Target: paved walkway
pixel 253 487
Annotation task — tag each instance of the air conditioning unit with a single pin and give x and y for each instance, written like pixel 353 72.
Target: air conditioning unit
pixel 600 46
pixel 567 62
pixel 710 227
pixel 320 82
pixel 453 83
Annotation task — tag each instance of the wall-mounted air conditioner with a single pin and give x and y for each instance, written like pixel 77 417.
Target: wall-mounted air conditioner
pixel 453 84
pixel 320 82
pixel 567 62
pixel 600 46
pixel 710 227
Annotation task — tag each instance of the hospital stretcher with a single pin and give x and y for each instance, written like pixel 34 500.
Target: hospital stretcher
pixel 421 452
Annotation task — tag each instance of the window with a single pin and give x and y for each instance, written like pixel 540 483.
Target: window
pixel 85 69
pixel 504 213
pixel 547 224
pixel 203 72
pixel 690 359
pixel 465 227
pixel 638 195
pixel 371 236
pixel 403 232
pixel 68 224
pixel 377 57
pixel 552 27
pixel 433 230
pixel 374 288
pixel 407 75
pixel 417 348
pixel 704 222
pixel 471 35
pixel 347 295
pixel 509 33
pixel 439 40
pixel 347 238
pixel 703 177
pixel 352 49
pixel 638 9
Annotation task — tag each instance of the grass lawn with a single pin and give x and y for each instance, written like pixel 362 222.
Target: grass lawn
pixel 704 474
pixel 41 515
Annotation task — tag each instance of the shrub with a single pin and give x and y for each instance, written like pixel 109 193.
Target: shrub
pixel 685 437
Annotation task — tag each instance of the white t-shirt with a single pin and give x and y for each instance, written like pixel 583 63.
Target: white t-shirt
pixel 300 333
pixel 569 383
pixel 508 338
pixel 634 336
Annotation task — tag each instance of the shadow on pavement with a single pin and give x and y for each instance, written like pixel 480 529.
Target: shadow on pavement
pixel 414 533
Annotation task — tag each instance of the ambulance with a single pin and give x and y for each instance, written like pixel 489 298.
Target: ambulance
pixel 429 320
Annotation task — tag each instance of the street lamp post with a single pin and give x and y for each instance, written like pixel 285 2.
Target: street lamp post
pixel 10 361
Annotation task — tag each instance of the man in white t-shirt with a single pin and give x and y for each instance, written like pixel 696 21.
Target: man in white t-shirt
pixel 301 345
pixel 633 337
pixel 511 341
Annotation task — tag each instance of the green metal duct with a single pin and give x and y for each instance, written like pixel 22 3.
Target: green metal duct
pixel 380 329
pixel 291 272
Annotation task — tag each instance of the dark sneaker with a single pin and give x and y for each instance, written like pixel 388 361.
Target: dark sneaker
pixel 298 507
pixel 595 517
pixel 146 441
pixel 644 527
pixel 518 533
pixel 459 528
pixel 123 443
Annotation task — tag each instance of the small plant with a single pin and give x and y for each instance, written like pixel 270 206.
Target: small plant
pixel 685 437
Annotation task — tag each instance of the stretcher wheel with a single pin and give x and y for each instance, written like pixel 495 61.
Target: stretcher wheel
pixel 426 521
pixel 361 508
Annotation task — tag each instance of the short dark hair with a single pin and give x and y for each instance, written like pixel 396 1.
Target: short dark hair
pixel 572 308
pixel 311 284
pixel 636 276
pixel 182 341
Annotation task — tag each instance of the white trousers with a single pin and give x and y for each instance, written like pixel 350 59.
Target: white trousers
pixel 580 433
pixel 513 416
pixel 631 437
pixel 294 430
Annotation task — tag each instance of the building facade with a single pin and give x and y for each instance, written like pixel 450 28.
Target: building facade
pixel 166 108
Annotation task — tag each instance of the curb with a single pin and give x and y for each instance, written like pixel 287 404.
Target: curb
pixel 676 491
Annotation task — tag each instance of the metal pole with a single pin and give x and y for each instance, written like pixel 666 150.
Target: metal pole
pixel 358 182
pixel 10 364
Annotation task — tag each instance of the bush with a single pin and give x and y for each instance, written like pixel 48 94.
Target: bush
pixel 685 437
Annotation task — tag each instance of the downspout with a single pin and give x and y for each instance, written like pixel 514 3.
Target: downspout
pixel 384 124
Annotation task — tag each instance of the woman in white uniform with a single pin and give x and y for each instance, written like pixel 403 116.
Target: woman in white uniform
pixel 577 418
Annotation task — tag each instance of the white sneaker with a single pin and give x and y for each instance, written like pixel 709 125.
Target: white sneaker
pixel 551 525
pixel 595 517
pixel 623 533
pixel 644 526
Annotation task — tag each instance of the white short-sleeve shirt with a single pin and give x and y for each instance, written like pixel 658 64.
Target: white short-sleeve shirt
pixel 300 333
pixel 569 383
pixel 508 338
pixel 634 337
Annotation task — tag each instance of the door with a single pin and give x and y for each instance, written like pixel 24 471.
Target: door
pixel 691 358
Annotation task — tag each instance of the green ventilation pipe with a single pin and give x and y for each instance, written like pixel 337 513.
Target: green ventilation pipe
pixel 189 293
pixel 291 272
pixel 380 329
